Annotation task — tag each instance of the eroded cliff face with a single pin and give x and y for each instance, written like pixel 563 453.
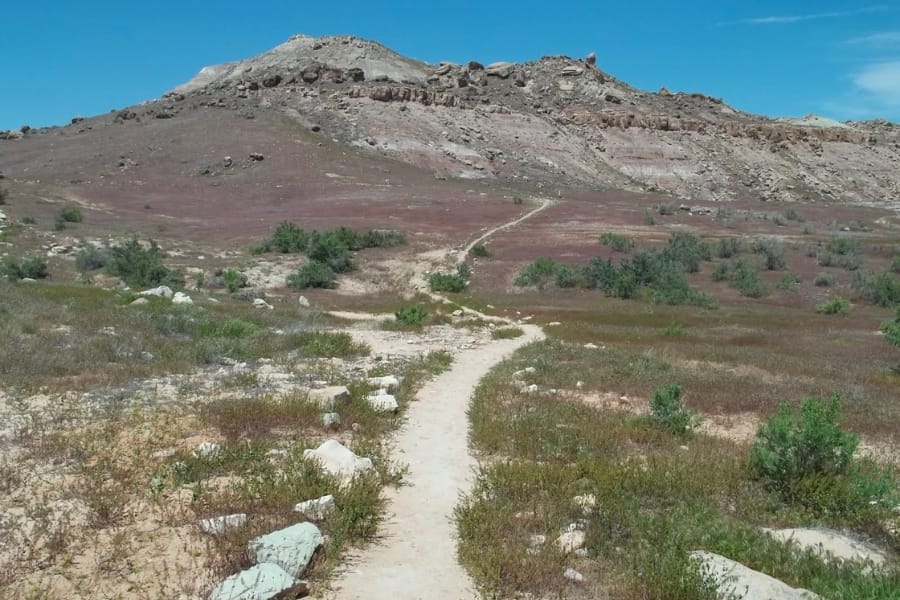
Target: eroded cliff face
pixel 552 122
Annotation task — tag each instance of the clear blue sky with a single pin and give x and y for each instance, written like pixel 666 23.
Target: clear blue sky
pixel 59 59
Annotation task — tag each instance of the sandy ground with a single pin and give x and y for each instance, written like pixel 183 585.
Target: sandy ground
pixel 416 557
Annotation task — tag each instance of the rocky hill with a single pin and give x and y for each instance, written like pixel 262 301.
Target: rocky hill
pixel 555 122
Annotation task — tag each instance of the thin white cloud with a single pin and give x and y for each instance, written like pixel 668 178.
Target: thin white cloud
pixel 873 92
pixel 880 81
pixel 787 19
pixel 884 39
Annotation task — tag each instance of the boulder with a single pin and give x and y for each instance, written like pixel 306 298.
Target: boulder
pixel 316 509
pixel 474 65
pixel 573 575
pixel 260 303
pixel 591 59
pixel 260 582
pixel 337 459
pixel 570 541
pixel 302 300
pixel 329 398
pixel 382 401
pixel 734 580
pixel 830 544
pixel 207 449
pixel 181 298
pixel 291 548
pixel 162 291
pixel 256 156
pixel 331 420
pixel 500 69
pixel 219 525
pixel 572 70
pixel 389 383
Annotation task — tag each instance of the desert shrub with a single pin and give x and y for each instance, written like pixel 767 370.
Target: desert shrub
pixel 91 258
pixel 728 247
pixel 287 238
pixel 464 270
pixel 332 249
pixel 142 267
pixel 807 458
pixel 507 333
pixel 834 306
pixel 772 253
pixel 891 330
pixel 882 289
pixel 413 315
pixel 479 251
pixel 28 220
pixel 517 200
pixel 720 273
pixel 895 263
pixel 313 274
pixel 792 215
pixel 4 194
pixel 825 279
pixel 69 214
pixel 233 280
pixel 668 411
pixel 665 209
pixel 378 238
pixel 446 282
pixel 32 267
pixel 649 220
pixel 745 279
pixel 687 249
pixel 789 283
pixel 539 272
pixel 619 243
pixel 843 245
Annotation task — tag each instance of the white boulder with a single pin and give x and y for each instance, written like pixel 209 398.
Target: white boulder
pixel 389 383
pixel 291 548
pixel 383 402
pixel 735 580
pixel 181 298
pixel 570 541
pixel 260 582
pixel 316 509
pixel 329 398
pixel 162 291
pixel 219 525
pixel 337 459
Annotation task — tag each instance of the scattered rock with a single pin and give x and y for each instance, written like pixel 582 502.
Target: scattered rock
pixel 331 420
pixel 586 502
pixel 830 544
pixel 591 346
pixel 260 582
pixel 591 59
pixel 227 162
pixel 219 525
pixel 570 541
pixel 734 580
pixel 337 459
pixel 389 383
pixel 256 156
pixel 573 575
pixel 382 402
pixel 499 69
pixel 316 509
pixel 260 303
pixel 207 449
pixel 329 398
pixel 162 291
pixel 303 301
pixel 291 548
pixel 571 71
pixel 181 298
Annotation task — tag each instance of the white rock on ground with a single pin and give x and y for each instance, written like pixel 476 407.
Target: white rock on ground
pixel 586 502
pixel 219 525
pixel 162 291
pixel 260 582
pixel 331 420
pixel 830 543
pixel 316 509
pixel 573 575
pixel 383 402
pixel 181 298
pixel 260 303
pixel 207 449
pixel 337 459
pixel 570 541
pixel 389 383
pixel 331 397
pixel 291 548
pixel 140 301
pixel 735 580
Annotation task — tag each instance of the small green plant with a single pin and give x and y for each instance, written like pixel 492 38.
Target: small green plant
pixel 792 215
pixel 668 411
pixel 619 243
pixel 825 280
pixel 745 279
pixel 834 306
pixel 517 200
pixel 728 247
pixel 789 283
pixel 479 251
pixel 665 209
pixel 32 267
pixel 891 330
pixel 649 220
pixel 142 267
pixel 507 333
pixel 720 273
pixel 313 274
pixel 446 282
pixel 4 194
pixel 233 280
pixel 411 316
pixel 882 289
pixel 673 329
pixel 91 258
pixel 67 214
pixel 464 270
pixel 772 253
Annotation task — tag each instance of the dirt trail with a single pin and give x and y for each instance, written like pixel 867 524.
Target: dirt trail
pixel 416 556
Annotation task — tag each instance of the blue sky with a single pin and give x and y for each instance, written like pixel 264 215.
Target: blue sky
pixel 839 59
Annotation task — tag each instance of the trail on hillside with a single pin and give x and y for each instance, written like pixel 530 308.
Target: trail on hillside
pixel 416 557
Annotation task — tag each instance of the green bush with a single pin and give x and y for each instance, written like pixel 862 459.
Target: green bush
pixel 792 215
pixel 4 194
pixel 728 247
pixel 789 283
pixel 843 246
pixel 313 274
pixel 882 289
pixel 895 263
pixel 891 330
pixel 32 267
pixel 142 267
pixel 665 209
pixel 745 279
pixel 464 270
pixel 834 306
pixel 446 282
pixel 619 243
pixel 413 315
pixel 669 412
pixel 69 214
pixel 479 251
pixel 772 253
pixel 720 273
pixel 793 446
pixel 233 280
pixel 91 258
pixel 539 272
pixel 825 279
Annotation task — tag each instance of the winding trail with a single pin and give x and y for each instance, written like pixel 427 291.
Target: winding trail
pixel 416 557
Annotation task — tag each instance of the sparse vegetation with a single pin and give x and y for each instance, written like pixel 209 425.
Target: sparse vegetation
pixel 789 283
pixel 142 267
pixel 507 333
pixel 446 282
pixel 669 413
pixel 91 258
pixel 4 194
pixel 834 306
pixel 31 267
pixel 882 289
pixel 825 279
pixel 411 316
pixel 618 242
pixel 479 251
pixel 66 215
pixel 313 274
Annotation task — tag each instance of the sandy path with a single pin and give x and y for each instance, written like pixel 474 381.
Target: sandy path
pixel 544 204
pixel 416 557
